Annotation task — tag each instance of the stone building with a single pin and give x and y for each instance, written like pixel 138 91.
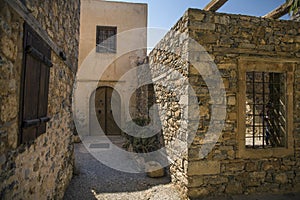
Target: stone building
pixel 244 72
pixel 38 62
pixel 113 39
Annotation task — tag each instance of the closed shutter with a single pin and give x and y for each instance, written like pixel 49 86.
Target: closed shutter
pixel 36 70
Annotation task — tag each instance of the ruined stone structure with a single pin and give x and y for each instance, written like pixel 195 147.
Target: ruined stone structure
pixel 240 46
pixel 37 165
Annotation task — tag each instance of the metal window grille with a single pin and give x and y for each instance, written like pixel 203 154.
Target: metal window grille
pixel 106 40
pixel 265 109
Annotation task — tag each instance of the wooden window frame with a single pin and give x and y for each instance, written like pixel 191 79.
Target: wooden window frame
pixel 34 80
pixel 266 65
pixel 108 42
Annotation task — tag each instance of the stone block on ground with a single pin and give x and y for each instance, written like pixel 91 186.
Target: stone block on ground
pixel 76 139
pixel 154 169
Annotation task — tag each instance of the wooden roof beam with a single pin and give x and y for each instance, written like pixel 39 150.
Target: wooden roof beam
pixel 279 11
pixel 214 5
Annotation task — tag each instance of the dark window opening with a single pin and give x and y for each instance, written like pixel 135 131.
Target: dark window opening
pixel 106 39
pixel 265 109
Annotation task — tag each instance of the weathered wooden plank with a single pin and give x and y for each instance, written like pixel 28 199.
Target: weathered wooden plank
pixel 36 85
pixel 214 5
pixel 279 11
pixel 31 21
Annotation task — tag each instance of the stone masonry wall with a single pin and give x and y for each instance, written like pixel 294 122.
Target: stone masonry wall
pixel 169 68
pixel 228 39
pixel 60 19
pixel 43 169
pixel 142 93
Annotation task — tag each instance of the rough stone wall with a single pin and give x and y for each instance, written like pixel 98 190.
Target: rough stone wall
pixel 142 93
pixel 43 169
pixel 227 39
pixel 168 69
pixel 61 20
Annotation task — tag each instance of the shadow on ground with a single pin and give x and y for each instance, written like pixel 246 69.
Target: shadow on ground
pixel 92 178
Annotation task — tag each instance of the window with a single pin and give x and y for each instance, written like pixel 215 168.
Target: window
pixel 265 107
pixel 106 39
pixel 35 86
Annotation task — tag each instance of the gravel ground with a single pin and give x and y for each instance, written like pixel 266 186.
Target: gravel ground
pixel 94 180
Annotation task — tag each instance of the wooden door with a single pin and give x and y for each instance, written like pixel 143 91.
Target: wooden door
pixel 103 109
pixel 100 104
pixel 112 101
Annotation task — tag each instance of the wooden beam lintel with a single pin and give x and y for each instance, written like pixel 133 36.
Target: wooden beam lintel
pixel 214 5
pixel 279 11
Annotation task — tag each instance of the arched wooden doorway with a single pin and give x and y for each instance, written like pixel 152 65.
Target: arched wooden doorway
pixel 103 102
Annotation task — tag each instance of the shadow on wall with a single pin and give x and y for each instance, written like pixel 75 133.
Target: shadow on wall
pixel 91 177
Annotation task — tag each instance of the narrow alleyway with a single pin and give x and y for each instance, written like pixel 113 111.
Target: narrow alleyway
pixel 93 180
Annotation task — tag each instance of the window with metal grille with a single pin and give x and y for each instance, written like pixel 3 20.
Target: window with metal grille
pixel 266 103
pixel 106 39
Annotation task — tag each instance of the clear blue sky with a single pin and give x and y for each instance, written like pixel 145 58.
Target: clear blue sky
pixel 165 13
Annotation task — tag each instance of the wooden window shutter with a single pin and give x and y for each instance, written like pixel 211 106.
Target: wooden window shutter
pixel 34 93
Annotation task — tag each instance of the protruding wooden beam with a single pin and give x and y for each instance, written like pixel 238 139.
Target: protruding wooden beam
pixel 279 11
pixel 214 5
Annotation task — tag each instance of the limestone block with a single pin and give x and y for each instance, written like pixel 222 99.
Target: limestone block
pixel 231 100
pixel 204 111
pixel 215 180
pixel 197 192
pixel 251 166
pixel 235 166
pixel 257 175
pixel 154 169
pixel 9 108
pixel 271 165
pixel 76 139
pixel 232 116
pixel 197 16
pixel 234 188
pixel 281 178
pixel 203 167
pixel 247 46
pixel 222 20
pixel 8 47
